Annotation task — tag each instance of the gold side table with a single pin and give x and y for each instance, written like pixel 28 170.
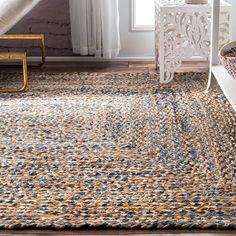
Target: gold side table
pixel 22 56
pixel 39 37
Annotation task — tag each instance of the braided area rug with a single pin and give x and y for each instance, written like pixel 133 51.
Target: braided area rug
pixel 116 150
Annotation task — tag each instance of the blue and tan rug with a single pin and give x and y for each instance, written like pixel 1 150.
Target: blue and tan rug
pixel 116 150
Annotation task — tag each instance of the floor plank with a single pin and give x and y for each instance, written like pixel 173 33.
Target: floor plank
pixel 103 67
pixel 117 233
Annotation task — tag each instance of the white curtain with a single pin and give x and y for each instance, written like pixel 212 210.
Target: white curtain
pixel 95 27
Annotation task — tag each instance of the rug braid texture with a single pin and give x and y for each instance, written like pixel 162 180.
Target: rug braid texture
pixel 116 150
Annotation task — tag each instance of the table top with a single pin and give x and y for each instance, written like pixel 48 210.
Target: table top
pixel 181 3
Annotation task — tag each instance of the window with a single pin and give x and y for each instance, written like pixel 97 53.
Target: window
pixel 142 15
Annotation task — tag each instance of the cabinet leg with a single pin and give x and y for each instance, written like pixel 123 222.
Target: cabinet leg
pixel 211 82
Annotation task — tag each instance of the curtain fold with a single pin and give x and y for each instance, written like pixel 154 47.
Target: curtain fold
pixel 95 27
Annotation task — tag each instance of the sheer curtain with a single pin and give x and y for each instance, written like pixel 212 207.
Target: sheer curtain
pixel 95 27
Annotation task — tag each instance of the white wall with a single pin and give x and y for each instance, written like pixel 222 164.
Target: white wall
pixel 141 44
pixel 134 44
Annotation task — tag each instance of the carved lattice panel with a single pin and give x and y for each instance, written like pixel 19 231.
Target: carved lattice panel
pixel 183 32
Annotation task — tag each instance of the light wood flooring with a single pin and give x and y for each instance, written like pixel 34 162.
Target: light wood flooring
pixel 102 67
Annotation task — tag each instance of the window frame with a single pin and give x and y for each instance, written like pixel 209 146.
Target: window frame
pixel 133 25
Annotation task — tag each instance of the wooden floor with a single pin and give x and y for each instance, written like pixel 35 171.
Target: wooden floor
pixel 114 67
pixel 102 67
pixel 117 233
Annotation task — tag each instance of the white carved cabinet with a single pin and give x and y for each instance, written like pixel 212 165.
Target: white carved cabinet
pixel 183 32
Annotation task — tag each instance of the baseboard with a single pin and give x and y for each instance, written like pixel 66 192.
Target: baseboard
pixel 92 59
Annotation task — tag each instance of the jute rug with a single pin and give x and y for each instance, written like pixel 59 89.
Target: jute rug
pixel 116 150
